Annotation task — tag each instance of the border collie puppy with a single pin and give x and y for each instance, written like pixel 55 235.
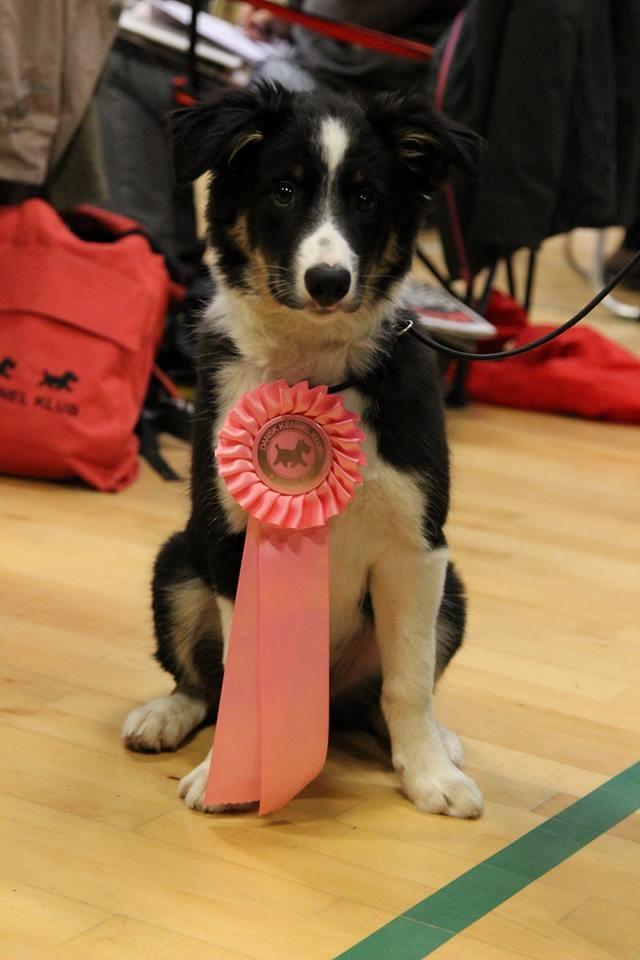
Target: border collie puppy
pixel 314 205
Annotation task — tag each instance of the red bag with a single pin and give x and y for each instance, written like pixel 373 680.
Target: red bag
pixel 80 323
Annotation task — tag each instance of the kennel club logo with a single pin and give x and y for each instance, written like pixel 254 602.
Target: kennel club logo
pixel 6 366
pixel 58 382
pixel 53 382
pixel 292 454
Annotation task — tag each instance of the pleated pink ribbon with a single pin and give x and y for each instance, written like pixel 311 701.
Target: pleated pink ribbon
pixel 291 457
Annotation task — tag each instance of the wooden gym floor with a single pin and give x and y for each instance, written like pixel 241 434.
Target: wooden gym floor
pixel 101 860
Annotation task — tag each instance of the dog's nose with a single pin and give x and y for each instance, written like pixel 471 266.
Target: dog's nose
pixel 327 285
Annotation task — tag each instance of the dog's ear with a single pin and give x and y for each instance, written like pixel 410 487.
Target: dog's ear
pixel 427 143
pixel 210 136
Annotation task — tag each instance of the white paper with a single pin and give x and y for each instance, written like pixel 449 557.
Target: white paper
pixel 439 311
pixel 217 31
pixel 140 22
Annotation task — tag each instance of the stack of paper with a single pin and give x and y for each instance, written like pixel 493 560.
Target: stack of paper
pixel 227 36
pixel 443 313
pixel 142 21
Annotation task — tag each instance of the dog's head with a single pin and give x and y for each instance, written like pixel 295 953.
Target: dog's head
pixel 315 199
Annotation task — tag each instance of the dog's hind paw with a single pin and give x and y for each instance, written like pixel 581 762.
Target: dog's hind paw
pixel 192 788
pixel 163 723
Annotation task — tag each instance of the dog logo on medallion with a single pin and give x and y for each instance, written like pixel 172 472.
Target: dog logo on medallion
pixel 292 454
pixel 292 458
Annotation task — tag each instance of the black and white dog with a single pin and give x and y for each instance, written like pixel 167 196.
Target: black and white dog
pixel 314 206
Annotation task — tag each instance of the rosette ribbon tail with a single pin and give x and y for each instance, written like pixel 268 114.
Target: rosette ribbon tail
pixel 273 721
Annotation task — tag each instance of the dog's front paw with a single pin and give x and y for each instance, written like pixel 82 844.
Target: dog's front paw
pixel 445 790
pixel 163 723
pixel 192 788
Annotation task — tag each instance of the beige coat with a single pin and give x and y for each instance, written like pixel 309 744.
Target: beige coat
pixel 51 55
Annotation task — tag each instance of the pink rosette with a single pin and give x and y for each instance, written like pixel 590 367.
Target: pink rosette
pixel 291 456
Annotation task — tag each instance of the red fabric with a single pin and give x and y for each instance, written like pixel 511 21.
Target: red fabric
pixel 507 316
pixel 581 373
pixel 80 324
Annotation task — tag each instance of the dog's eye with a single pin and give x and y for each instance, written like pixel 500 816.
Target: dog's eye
pixel 365 200
pixel 284 192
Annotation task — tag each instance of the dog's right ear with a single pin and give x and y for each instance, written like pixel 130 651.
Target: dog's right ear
pixel 427 143
pixel 210 136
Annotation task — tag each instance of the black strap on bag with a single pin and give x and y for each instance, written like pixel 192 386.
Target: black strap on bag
pixel 164 411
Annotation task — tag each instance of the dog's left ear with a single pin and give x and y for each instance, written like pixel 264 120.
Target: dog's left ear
pixel 209 137
pixel 427 143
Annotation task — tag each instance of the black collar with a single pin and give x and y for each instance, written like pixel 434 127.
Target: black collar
pixel 396 333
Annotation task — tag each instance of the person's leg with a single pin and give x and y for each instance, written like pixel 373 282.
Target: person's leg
pixel 134 100
pixel 629 246
pixel 632 236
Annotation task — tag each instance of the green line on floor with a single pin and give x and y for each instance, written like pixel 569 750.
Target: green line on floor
pixel 426 926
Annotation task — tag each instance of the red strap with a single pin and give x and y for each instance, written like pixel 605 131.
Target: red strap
pixel 448 191
pixel 349 32
pixel 166 381
pixel 176 291
pixel 182 93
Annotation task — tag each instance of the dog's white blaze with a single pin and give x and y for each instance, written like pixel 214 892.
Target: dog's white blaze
pixel 325 243
pixel 334 141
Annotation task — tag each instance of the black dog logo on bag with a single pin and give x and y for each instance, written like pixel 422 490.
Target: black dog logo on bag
pixel 5 366
pixel 294 457
pixel 62 382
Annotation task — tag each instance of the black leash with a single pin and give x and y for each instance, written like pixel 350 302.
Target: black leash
pixel 517 351
pixel 409 327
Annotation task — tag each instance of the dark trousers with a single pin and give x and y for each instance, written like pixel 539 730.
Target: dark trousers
pixel 134 101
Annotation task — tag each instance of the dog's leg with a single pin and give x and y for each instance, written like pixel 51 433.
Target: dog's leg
pixel 192 786
pixel 189 646
pixel 406 589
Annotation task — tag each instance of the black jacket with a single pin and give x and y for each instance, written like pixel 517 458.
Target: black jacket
pixel 554 88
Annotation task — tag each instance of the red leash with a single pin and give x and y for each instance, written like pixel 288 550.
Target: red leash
pixel 349 32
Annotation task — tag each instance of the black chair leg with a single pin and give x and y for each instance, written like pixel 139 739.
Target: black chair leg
pixel 531 269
